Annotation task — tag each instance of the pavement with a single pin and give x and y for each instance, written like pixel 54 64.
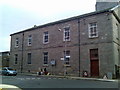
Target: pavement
pixel 71 77
pixel 8 87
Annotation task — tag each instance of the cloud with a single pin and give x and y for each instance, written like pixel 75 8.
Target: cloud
pixel 4 44
pixel 19 15
pixel 50 7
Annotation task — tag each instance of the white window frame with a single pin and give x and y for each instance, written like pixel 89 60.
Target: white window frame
pixel 17 42
pixel 92 29
pixel 66 57
pixel 46 34
pixel 30 40
pixel 66 37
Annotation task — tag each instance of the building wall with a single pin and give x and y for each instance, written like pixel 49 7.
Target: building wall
pixel 4 59
pixel 116 41
pixel 56 46
pixel 103 42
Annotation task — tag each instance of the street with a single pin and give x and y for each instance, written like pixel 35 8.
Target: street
pixel 24 81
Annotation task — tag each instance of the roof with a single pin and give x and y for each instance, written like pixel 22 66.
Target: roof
pixel 64 20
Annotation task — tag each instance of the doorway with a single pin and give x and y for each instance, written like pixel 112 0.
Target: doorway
pixel 94 62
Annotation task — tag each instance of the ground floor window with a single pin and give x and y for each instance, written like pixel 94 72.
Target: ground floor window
pixel 29 58
pixel 16 58
pixel 45 61
pixel 66 57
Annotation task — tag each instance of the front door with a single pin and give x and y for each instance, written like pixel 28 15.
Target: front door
pixel 94 68
pixel 94 62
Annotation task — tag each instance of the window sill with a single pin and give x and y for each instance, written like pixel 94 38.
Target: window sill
pixel 45 65
pixel 67 65
pixel 67 41
pixel 93 37
pixel 46 43
pixel 29 64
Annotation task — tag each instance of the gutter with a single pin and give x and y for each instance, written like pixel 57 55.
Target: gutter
pixel 79 45
pixel 113 12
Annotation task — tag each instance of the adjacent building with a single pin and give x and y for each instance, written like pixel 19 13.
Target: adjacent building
pixel 89 42
pixel 4 59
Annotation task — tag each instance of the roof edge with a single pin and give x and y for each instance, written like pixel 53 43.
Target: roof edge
pixel 63 20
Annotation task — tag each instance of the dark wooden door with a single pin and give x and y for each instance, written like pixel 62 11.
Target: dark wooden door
pixel 94 68
pixel 94 62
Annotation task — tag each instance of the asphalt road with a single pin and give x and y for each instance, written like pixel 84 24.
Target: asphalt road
pixel 23 81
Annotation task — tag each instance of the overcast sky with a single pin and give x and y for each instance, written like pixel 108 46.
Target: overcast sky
pixel 18 15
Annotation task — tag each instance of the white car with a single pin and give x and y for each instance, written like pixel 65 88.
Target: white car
pixel 8 71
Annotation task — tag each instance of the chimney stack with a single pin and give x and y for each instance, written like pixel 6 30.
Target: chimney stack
pixel 106 4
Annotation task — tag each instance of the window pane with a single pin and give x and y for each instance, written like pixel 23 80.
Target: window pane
pixel 29 40
pixel 46 58
pixel 67 57
pixel 93 30
pixel 94 54
pixel 67 34
pixel 16 42
pixel 29 58
pixel 45 37
pixel 16 58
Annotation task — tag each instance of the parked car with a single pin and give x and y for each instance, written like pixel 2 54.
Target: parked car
pixel 8 71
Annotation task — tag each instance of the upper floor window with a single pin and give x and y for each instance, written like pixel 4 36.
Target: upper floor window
pixel 29 58
pixel 93 32
pixel 16 42
pixel 46 37
pixel 16 58
pixel 45 61
pixel 66 34
pixel 29 40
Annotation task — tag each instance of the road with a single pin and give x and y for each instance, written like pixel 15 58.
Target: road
pixel 24 81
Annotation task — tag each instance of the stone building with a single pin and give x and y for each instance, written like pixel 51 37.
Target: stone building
pixel 4 59
pixel 89 42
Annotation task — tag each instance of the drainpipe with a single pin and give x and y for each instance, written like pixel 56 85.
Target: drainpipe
pixel 22 52
pixel 79 45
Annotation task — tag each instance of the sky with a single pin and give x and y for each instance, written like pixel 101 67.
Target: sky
pixel 18 15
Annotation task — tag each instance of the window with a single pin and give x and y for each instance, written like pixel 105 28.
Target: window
pixel 29 40
pixel 45 57
pixel 66 34
pixel 16 42
pixel 45 37
pixel 29 58
pixel 93 30
pixel 117 32
pixel 67 57
pixel 94 54
pixel 16 58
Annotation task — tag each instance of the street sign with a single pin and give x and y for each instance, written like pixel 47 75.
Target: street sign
pixel 62 59
pixel 52 62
